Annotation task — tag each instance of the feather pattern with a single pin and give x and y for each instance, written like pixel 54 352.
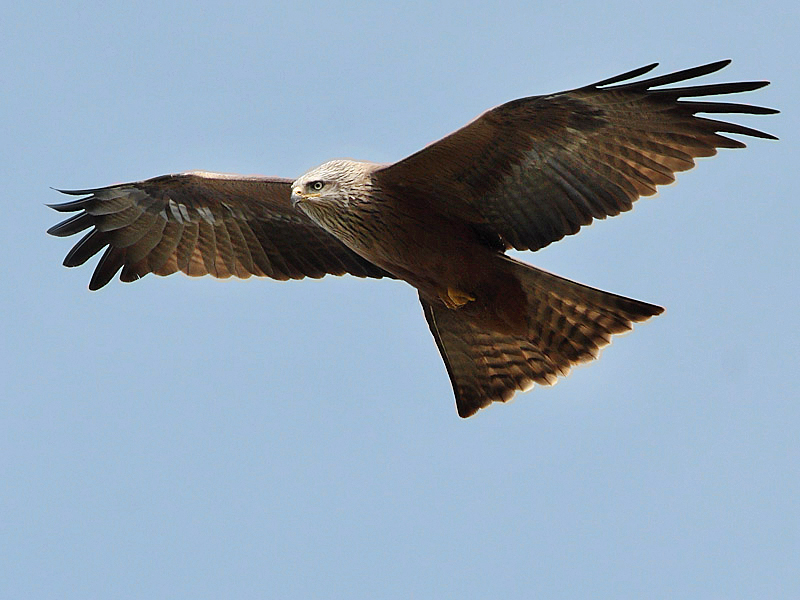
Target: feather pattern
pixel 202 224
pixel 567 324
pixel 535 169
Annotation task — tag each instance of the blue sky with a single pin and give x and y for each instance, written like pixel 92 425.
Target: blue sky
pixel 193 438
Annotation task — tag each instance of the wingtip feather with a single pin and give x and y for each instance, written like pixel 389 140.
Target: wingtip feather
pixel 71 206
pixel 85 192
pixel 625 76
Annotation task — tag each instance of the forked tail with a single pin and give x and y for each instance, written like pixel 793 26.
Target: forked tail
pixel 567 324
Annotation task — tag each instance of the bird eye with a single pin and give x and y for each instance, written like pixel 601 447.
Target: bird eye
pixel 316 185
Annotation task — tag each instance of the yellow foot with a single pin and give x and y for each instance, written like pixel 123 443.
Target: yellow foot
pixel 454 298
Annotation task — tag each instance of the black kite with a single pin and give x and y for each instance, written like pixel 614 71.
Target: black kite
pixel 522 175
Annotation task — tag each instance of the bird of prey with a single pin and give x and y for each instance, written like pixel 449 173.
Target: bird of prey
pixel 521 175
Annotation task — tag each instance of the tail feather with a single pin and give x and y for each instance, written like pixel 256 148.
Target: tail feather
pixel 567 324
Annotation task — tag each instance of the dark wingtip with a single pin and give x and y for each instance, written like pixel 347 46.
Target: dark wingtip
pixel 108 266
pixel 717 64
pixel 757 85
pixel 86 248
pixel 625 76
pixel 708 68
pixel 684 74
pixel 69 206
pixel 71 226
pixel 76 192
pixel 681 75
pixel 767 136
pixel 73 205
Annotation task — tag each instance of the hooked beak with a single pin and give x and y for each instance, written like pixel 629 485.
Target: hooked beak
pixel 297 197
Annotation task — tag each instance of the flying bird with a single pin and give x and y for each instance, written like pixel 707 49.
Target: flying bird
pixel 521 175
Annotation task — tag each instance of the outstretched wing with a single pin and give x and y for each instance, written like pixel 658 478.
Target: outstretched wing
pixel 202 223
pixel 536 169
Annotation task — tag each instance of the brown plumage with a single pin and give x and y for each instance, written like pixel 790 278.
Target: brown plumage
pixel 522 175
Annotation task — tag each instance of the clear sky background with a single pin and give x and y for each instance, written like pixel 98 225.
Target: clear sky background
pixel 194 438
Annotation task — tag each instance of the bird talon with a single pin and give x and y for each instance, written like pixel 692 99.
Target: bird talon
pixel 454 298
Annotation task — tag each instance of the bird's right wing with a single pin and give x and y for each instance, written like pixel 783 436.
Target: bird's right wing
pixel 202 223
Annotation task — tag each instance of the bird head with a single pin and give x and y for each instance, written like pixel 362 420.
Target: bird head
pixel 331 182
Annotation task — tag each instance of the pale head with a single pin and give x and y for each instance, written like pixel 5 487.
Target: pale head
pixel 334 180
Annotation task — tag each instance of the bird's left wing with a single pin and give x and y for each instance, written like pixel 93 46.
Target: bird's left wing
pixel 536 169
pixel 202 223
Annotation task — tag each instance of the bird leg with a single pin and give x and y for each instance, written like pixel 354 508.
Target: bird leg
pixel 454 298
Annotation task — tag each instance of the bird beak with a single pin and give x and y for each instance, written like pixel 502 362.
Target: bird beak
pixel 296 197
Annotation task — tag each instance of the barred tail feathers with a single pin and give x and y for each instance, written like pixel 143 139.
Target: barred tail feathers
pixel 566 323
